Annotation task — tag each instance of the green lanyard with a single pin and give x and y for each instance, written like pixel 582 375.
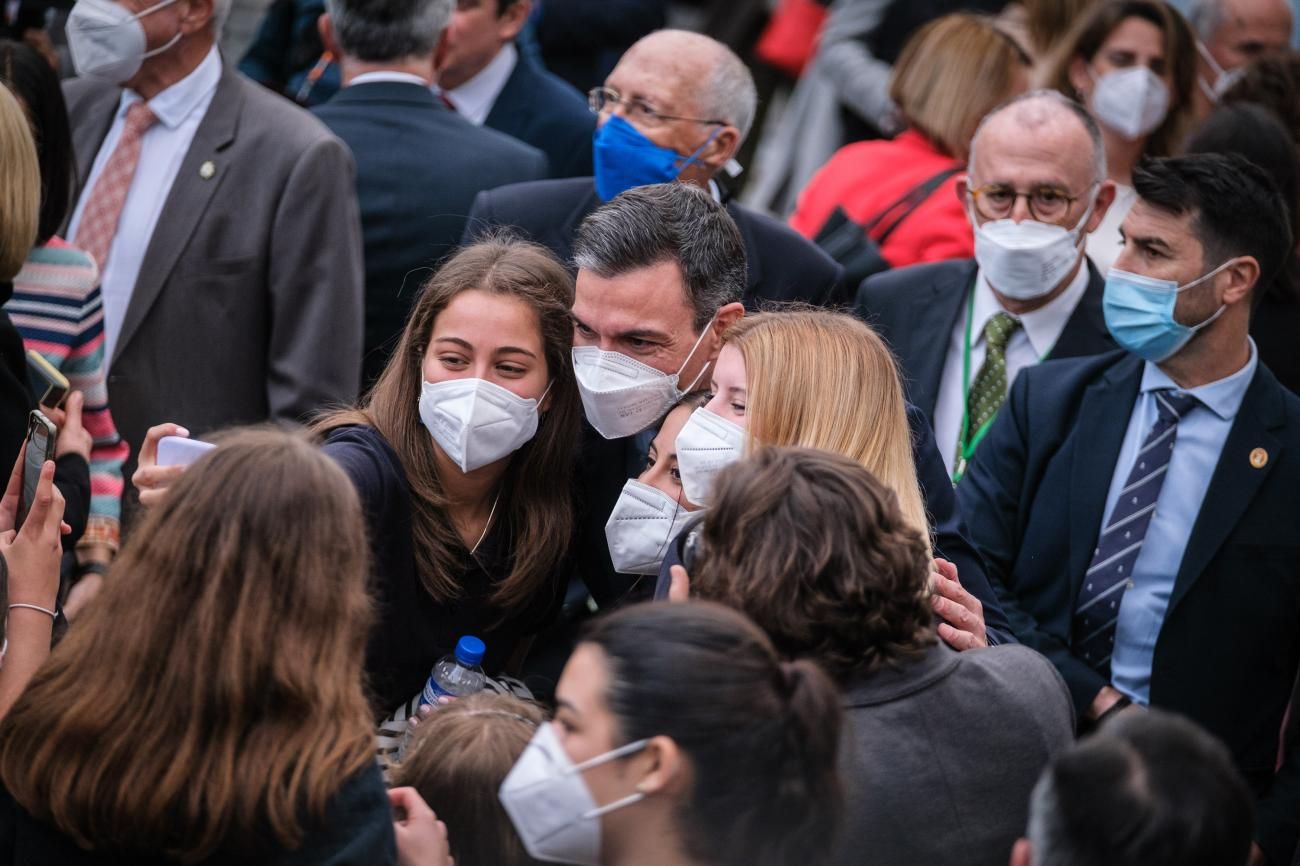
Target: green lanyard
pixel 967 443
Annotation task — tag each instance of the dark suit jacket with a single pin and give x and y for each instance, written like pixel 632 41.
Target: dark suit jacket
pixel 248 304
pixel 915 309
pixel 419 167
pixel 783 266
pixel 606 464
pixel 546 111
pixel 1229 650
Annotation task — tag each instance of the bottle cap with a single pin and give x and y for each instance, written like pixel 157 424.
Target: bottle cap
pixel 470 651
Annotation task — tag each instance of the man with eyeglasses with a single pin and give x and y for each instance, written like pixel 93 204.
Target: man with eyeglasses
pixel 676 107
pixel 1034 190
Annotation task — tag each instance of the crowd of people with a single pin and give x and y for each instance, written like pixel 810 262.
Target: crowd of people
pixel 920 499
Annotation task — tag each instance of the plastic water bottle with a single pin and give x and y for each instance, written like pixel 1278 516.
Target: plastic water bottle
pixel 457 675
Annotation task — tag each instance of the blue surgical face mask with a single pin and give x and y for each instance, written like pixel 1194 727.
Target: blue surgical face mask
pixel 625 158
pixel 1140 313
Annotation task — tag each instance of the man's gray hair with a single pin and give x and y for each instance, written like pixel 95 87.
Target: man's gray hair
pixel 1205 16
pixel 380 31
pixel 676 222
pixel 1063 101
pixel 731 94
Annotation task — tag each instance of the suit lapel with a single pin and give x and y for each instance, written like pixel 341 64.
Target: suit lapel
pixel 1085 332
pixel 923 345
pixel 1098 436
pixel 1236 480
pixel 186 202
pixel 503 111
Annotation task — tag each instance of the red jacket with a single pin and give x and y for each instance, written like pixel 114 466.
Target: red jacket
pixel 866 177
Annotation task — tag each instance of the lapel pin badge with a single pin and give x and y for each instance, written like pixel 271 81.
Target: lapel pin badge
pixel 1259 458
pixel 208 170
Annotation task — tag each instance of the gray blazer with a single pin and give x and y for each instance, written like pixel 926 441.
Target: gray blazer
pixel 248 305
pixel 940 756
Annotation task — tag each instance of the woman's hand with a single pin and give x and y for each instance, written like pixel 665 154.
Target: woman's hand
pixel 34 551
pixel 150 479
pixel 421 837
pixel 73 438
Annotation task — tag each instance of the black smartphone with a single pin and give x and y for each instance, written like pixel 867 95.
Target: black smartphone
pixel 47 382
pixel 41 436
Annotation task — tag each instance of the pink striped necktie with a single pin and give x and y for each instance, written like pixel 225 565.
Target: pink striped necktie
pixel 104 207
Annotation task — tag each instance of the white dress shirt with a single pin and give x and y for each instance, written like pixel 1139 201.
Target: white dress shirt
pixel 180 108
pixel 381 76
pixel 1037 334
pixel 474 99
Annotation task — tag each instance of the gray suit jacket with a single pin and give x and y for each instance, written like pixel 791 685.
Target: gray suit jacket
pixel 248 305
pixel 940 755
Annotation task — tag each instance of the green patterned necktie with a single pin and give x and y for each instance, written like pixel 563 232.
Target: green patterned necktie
pixel 989 389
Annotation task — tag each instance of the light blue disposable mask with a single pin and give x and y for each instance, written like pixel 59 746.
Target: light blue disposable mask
pixel 1140 313
pixel 626 159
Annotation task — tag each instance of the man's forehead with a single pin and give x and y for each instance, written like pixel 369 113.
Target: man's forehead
pixel 1049 151
pixel 1147 221
pixel 649 298
pixel 658 68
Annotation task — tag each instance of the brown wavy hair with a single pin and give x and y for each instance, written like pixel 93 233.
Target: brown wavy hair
pixel 458 761
pixel 213 693
pixel 1090 33
pixel 537 496
pixel 816 551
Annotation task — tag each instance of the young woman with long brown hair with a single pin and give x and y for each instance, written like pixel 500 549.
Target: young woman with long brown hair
pixel 462 454
pixel 208 708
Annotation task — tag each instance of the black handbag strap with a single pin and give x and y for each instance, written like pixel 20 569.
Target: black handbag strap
pixel 909 201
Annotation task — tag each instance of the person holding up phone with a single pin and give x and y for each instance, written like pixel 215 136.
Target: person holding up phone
pixel 29 577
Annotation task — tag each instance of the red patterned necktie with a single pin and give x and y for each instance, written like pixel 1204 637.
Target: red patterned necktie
pixel 104 207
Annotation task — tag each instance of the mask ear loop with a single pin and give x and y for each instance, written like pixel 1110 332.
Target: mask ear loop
pixel 693 159
pixel 698 341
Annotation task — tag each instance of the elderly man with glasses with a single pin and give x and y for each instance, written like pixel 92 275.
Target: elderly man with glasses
pixel 676 107
pixel 1034 190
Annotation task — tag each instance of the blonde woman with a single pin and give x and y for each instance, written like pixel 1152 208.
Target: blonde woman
pixel 20 205
pixel 817 379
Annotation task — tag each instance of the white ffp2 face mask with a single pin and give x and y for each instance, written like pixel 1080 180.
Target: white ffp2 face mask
pixel 1026 260
pixel 620 395
pixel 550 805
pixel 707 444
pixel 476 422
pixel 644 522
pixel 1132 102
pixel 107 40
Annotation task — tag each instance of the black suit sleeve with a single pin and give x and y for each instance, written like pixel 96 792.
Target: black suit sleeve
pixel 950 538
pixel 991 495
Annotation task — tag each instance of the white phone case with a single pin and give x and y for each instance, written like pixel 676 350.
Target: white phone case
pixel 179 451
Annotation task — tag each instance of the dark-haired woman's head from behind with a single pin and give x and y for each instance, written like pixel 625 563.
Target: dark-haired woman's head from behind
pixel 732 752
pixel 458 761
pixel 36 86
pixel 219 674
pixel 815 550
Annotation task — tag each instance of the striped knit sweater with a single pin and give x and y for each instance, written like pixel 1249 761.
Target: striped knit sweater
pixel 57 308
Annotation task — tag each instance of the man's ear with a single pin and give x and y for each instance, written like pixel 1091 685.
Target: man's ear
pixel 1242 277
pixel 201 14
pixel 1105 198
pixel 325 27
pixel 512 22
pixel 723 147
pixel 727 316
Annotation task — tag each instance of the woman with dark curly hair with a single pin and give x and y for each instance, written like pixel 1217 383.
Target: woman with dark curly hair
pixel 941 748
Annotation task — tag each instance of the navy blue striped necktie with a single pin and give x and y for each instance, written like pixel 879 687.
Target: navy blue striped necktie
pixel 1111 570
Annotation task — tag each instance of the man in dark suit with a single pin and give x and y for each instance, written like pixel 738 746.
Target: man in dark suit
pixel 419 165
pixel 225 226
pixel 1136 509
pixel 651 306
pixel 682 103
pixel 962 330
pixel 491 83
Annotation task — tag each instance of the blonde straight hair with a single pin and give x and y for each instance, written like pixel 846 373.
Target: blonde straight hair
pixel 20 187
pixel 817 379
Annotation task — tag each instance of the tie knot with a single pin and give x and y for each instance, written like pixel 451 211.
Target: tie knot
pixel 140 117
pixel 1173 405
pixel 998 330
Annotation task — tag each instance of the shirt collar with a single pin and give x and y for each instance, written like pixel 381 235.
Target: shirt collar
pixel 1043 326
pixel 390 77
pixel 1223 397
pixel 186 96
pixel 474 99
